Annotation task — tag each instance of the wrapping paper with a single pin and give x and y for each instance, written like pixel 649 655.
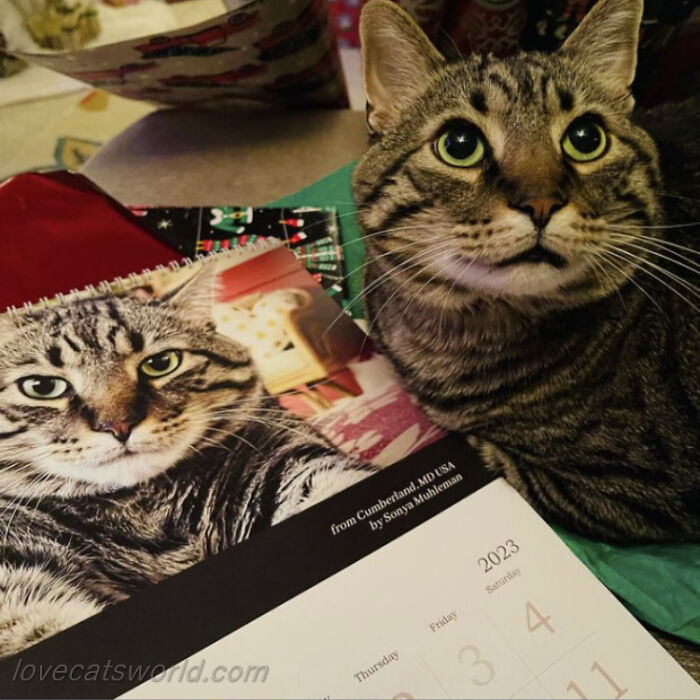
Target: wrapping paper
pixel 273 51
pixel 345 16
pixel 309 232
pixel 59 232
pixel 669 47
pixel 551 21
pixel 283 52
pixel 428 14
pixel 486 26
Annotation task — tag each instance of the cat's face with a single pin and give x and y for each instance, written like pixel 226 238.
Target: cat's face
pixel 105 393
pixel 521 178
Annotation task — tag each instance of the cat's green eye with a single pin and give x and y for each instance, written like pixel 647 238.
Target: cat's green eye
pixel 161 364
pixel 44 388
pixel 584 140
pixel 461 145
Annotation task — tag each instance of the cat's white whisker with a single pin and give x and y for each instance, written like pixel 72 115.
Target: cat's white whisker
pixel 629 276
pixel 389 274
pixel 453 286
pixel 670 246
pixel 661 227
pixel 654 265
pixel 276 426
pixel 598 266
pixel 405 283
pixel 359 268
pixel 682 262
pixel 642 267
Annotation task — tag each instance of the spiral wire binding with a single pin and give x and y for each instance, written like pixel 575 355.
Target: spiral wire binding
pixel 120 285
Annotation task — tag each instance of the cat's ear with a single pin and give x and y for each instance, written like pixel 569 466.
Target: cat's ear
pixel 397 57
pixel 606 42
pixel 195 296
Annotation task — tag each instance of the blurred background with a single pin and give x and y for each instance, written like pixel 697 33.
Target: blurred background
pixel 68 65
pixel 669 54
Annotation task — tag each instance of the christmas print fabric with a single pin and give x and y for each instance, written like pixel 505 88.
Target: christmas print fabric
pixel 311 233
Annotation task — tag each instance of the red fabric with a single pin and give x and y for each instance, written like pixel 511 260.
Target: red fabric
pixel 58 232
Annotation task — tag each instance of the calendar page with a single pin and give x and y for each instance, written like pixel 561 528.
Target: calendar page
pixel 430 579
pixel 481 601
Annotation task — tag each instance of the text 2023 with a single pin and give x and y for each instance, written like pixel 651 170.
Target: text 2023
pixel 502 552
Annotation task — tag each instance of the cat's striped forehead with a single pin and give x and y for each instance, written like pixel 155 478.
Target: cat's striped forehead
pixel 522 97
pixel 543 84
pixel 101 328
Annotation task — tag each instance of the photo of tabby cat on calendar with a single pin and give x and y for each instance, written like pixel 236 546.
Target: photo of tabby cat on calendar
pixel 148 426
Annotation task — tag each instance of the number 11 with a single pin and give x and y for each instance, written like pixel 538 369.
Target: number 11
pixel 597 667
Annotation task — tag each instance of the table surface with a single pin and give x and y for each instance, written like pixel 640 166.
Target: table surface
pixel 191 158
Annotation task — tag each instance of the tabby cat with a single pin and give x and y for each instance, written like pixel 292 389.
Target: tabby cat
pixel 134 442
pixel 531 271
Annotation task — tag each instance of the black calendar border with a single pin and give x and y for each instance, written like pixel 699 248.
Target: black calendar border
pixel 168 622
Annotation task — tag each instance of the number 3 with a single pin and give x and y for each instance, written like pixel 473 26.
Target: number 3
pixel 478 661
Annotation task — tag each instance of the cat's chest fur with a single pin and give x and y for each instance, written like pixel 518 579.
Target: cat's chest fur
pixel 120 541
pixel 471 369
pixel 610 392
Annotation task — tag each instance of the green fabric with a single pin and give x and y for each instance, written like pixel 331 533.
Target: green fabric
pixel 660 584
pixel 335 190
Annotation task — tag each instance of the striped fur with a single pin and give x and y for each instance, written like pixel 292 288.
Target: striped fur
pixel 579 382
pixel 86 519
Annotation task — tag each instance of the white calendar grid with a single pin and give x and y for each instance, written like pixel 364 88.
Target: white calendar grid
pixel 551 630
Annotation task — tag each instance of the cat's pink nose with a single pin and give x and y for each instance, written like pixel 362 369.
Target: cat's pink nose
pixel 540 209
pixel 121 429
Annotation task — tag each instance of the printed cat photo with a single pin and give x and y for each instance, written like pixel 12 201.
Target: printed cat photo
pixel 532 266
pixel 136 439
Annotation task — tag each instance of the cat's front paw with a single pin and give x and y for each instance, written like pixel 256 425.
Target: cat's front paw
pixel 494 458
pixel 498 461
pixel 35 604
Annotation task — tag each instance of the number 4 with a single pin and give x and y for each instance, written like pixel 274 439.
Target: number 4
pixel 533 614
